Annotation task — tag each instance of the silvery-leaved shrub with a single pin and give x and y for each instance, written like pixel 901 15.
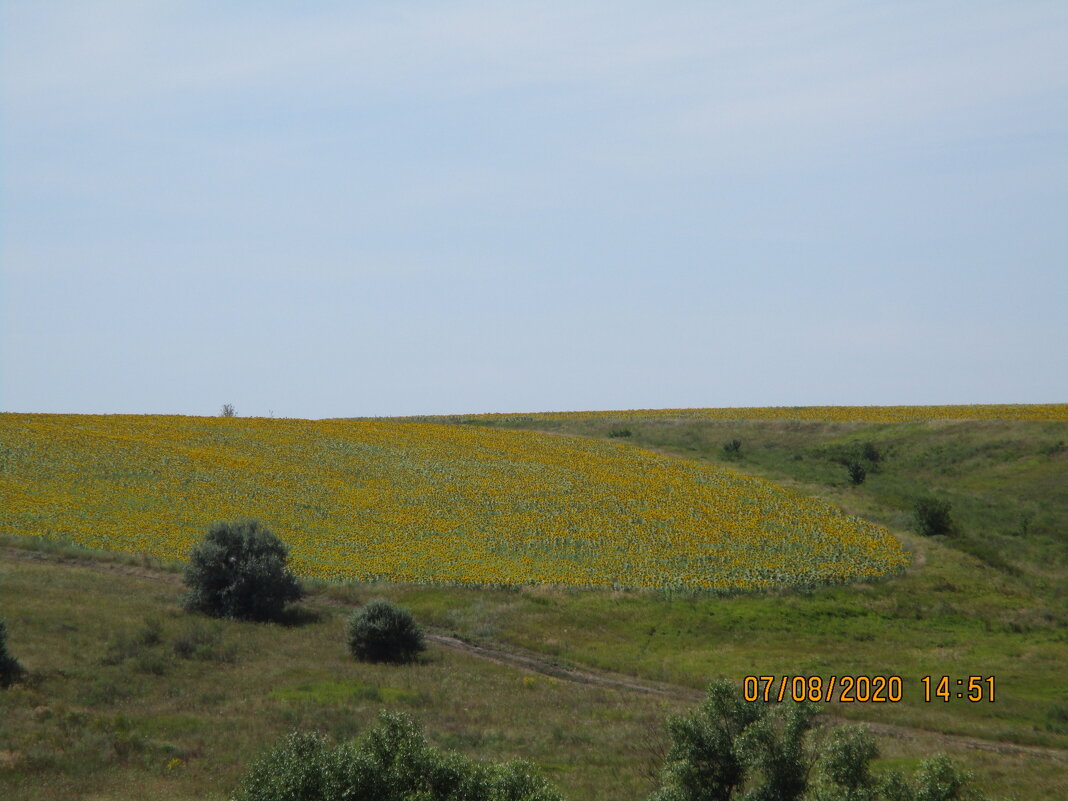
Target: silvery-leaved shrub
pixel 381 631
pixel 239 571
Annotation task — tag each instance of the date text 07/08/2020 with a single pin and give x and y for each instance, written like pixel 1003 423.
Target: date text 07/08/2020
pixel 865 689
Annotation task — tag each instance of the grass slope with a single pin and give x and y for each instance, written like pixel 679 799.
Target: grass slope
pixel 119 707
pixel 109 712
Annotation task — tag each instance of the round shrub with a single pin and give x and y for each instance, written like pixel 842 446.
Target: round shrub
pixel 239 571
pixel 857 473
pixel 381 631
pixel 932 517
pixel 10 669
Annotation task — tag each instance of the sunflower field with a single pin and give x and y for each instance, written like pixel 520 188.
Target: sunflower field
pixel 1037 412
pixel 426 503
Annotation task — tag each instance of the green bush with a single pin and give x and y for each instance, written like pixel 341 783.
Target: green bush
pixel 10 669
pixel 381 631
pixel 1057 718
pixel 857 473
pixel 140 648
pixel 204 643
pixel 619 432
pixel 932 517
pixel 846 765
pixel 391 762
pixel 777 752
pixel 732 750
pixel 151 633
pixel 239 571
pixel 870 453
pixel 936 779
pixel 705 761
pixel 733 448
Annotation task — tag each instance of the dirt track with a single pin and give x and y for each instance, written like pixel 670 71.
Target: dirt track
pixel 525 660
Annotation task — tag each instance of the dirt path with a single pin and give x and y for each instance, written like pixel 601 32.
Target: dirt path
pixel 538 664
pixel 526 660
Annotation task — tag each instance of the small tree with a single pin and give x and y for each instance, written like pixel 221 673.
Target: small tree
pixel 846 765
pixel 706 762
pixel 857 473
pixel 239 571
pixel 932 517
pixel 732 750
pixel 227 410
pixel 776 750
pixel 10 669
pixel 381 631
pixel 732 449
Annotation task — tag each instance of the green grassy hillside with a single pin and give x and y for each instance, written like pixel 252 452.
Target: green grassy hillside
pixel 105 714
pixel 117 707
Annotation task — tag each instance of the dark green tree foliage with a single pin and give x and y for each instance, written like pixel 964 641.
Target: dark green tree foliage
pixel 10 669
pixel 846 764
pixel 391 762
pixel 381 631
pixel 731 750
pixel 705 761
pixel 733 448
pixel 932 517
pixel 774 748
pixel 936 779
pixel 859 460
pixel 857 473
pixel 239 571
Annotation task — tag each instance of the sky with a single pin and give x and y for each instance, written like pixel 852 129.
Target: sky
pixel 332 209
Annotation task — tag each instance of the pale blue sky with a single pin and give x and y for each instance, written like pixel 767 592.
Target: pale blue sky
pixel 340 209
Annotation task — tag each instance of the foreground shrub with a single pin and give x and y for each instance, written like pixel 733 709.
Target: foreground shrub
pixel 846 766
pixel 932 517
pixel 705 760
pixel 239 571
pixel 10 669
pixel 731 750
pixel 936 779
pixel 391 762
pixel 381 631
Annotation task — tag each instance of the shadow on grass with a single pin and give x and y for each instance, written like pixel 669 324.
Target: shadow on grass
pixel 296 616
